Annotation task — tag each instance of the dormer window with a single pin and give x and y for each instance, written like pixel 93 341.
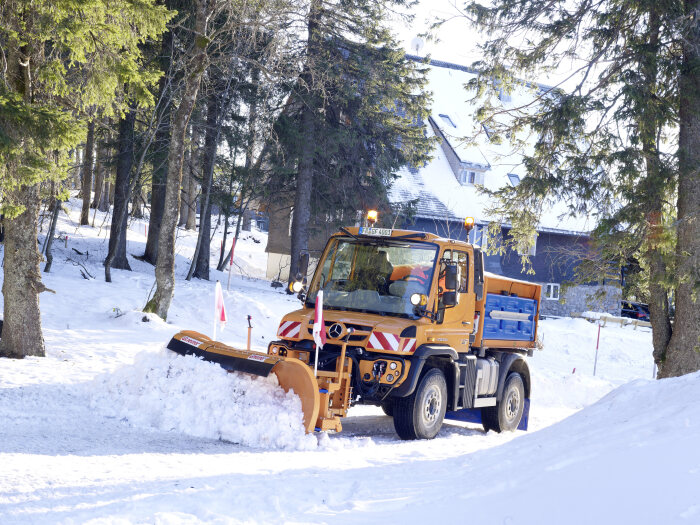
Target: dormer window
pixel 467 177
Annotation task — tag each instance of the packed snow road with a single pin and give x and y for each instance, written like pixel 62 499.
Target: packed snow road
pixel 109 428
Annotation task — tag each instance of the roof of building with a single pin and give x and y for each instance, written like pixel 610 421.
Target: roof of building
pixel 436 186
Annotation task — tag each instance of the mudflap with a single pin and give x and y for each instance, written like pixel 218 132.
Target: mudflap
pixel 526 415
pixel 292 374
pixel 473 415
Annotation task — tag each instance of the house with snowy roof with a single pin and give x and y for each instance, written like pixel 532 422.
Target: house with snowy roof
pixel 447 189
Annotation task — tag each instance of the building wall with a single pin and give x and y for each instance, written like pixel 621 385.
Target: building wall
pixel 582 298
pixel 555 260
pixel 278 267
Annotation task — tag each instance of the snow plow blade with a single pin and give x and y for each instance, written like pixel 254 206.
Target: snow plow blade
pixel 292 374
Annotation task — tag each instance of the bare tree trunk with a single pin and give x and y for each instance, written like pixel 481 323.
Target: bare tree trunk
pixel 50 235
pixel 184 205
pixel 137 204
pixel 21 331
pixel 160 167
pixel 165 266
pixel 305 174
pixel 302 198
pixel 108 192
pixel 649 125
pixel 100 172
pixel 112 188
pixel 191 223
pixel 86 179
pixel 683 353
pixel 202 253
pixel 21 334
pixel 77 183
pixel 116 256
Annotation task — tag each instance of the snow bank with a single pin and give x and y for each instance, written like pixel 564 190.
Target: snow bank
pixel 185 394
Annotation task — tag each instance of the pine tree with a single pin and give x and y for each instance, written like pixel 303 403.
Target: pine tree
pixel 611 144
pixel 353 118
pixel 59 58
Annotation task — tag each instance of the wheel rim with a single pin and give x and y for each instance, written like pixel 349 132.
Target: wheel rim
pixel 513 404
pixel 432 406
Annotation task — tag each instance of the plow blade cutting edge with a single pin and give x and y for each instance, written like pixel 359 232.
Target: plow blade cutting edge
pixel 292 374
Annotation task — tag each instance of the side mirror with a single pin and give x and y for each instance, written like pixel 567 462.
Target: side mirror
pixel 479 274
pixel 451 271
pixel 449 299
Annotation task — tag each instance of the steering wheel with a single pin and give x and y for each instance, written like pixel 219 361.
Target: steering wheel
pixel 336 284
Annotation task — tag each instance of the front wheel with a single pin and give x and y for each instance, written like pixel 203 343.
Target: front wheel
pixel 508 412
pixel 420 415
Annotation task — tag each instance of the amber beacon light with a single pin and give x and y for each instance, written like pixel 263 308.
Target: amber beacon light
pixel 372 216
pixel 468 223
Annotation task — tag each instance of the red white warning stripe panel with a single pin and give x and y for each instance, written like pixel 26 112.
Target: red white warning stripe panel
pixel 383 341
pixel 409 345
pixel 289 329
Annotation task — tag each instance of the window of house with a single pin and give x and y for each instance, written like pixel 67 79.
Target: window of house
pixel 467 177
pixel 503 95
pixel 552 291
pixel 447 119
pixel 514 179
pixel 531 251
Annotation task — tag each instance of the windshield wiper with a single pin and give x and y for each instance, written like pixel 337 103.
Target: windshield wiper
pixel 420 235
pixel 347 232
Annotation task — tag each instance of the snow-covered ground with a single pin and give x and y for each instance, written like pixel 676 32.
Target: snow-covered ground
pixel 110 428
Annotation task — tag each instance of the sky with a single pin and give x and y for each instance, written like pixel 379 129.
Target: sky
pixel 455 40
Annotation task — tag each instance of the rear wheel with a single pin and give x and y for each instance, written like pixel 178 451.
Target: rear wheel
pixel 508 412
pixel 420 415
pixel 388 407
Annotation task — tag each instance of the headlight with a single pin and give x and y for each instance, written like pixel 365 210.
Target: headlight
pixel 418 299
pixel 297 286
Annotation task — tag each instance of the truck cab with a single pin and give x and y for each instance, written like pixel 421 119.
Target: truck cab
pixel 414 325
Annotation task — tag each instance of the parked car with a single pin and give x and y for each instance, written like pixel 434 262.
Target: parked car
pixel 634 310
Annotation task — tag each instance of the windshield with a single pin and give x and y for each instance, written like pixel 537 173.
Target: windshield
pixel 374 276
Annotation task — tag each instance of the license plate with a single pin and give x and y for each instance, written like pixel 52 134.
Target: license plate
pixel 378 232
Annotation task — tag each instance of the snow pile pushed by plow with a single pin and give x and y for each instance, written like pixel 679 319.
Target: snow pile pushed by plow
pixel 185 394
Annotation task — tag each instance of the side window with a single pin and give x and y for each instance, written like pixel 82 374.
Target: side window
pixel 462 260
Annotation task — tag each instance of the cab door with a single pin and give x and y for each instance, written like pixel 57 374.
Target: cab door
pixel 458 321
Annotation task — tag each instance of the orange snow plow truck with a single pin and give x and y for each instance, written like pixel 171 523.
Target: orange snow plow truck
pixel 413 324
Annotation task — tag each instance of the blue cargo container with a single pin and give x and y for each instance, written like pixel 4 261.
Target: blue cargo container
pixel 522 329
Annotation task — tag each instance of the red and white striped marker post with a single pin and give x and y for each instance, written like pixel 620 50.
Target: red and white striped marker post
pixel 219 308
pixel 230 264
pixel 597 343
pixel 319 331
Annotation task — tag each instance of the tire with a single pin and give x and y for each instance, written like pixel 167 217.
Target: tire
pixel 420 415
pixel 508 412
pixel 388 407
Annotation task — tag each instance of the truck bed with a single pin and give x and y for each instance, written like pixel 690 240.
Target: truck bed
pixel 509 311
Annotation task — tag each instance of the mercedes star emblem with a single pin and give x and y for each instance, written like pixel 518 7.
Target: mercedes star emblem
pixel 336 330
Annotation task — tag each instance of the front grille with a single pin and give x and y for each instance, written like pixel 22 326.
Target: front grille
pixel 361 333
